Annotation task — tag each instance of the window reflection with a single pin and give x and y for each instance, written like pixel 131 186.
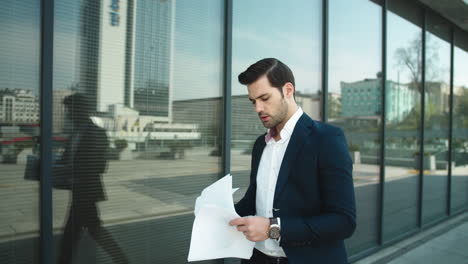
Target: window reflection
pixel 460 124
pixel 403 120
pixel 354 104
pixel 436 116
pixel 19 131
pixel 151 75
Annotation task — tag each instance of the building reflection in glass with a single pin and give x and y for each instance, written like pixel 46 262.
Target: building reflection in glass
pixel 151 73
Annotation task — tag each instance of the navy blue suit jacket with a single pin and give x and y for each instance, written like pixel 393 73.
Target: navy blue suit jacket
pixel 314 195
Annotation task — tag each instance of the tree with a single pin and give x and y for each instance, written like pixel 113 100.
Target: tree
pixel 461 107
pixel 410 58
pixel 334 107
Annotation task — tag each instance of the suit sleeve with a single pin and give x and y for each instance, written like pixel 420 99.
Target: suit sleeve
pixel 246 206
pixel 337 219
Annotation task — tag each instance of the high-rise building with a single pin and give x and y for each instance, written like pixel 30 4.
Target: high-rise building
pixel 151 59
pixel 103 51
pixel 132 64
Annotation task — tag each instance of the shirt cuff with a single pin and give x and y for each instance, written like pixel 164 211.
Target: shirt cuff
pixel 279 223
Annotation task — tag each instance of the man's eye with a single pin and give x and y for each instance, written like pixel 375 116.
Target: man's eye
pixel 265 99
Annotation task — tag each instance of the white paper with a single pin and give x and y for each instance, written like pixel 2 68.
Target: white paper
pixel 212 236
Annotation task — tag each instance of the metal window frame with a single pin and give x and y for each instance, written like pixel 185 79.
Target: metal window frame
pixel 451 106
pixel 423 123
pixel 227 89
pixel 380 238
pixel 46 82
pixel 325 29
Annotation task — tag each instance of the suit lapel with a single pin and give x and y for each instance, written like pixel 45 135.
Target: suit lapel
pixel 296 142
pixel 257 154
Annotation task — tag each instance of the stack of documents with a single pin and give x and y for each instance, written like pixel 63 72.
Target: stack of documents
pixel 212 236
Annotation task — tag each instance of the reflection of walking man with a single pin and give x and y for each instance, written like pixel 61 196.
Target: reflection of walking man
pixel 83 162
pixel 301 198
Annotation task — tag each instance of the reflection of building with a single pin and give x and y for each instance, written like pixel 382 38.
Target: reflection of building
pixel 334 106
pixel 152 41
pixel 143 132
pixel 244 121
pixel 18 106
pixel 132 64
pixel 103 51
pixel 59 109
pixel 362 99
pixel 438 94
pixel 245 124
pixel 201 112
pixel 311 104
pixel 400 100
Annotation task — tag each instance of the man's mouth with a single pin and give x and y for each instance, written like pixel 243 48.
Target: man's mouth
pixel 264 118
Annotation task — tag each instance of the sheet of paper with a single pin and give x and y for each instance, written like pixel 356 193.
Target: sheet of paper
pixel 212 236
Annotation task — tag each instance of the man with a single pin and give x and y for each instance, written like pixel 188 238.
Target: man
pixel 299 206
pixel 83 162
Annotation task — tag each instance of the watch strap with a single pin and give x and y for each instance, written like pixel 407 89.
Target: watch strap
pixel 273 221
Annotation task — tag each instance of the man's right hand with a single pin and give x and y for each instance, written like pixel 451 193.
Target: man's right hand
pixel 255 228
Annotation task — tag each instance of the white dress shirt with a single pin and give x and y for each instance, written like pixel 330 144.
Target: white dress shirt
pixel 267 176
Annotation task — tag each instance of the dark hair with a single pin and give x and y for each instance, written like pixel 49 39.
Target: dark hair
pixel 79 105
pixel 277 73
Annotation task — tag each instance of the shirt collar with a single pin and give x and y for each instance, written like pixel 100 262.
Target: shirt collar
pixel 288 128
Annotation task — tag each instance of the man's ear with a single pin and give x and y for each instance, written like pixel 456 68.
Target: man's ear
pixel 288 90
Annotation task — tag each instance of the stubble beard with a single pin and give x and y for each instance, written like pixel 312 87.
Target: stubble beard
pixel 279 117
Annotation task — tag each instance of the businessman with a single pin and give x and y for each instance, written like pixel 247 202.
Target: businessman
pixel 299 206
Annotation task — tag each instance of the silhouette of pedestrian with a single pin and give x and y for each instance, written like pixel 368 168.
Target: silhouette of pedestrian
pixel 83 163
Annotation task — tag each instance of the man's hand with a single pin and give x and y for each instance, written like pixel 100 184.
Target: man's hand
pixel 255 228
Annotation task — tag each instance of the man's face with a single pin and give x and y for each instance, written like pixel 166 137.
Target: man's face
pixel 269 104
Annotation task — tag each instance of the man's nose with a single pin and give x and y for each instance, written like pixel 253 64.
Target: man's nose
pixel 258 107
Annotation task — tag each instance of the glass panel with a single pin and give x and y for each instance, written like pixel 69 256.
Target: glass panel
pixel 137 125
pixel 436 117
pixel 355 91
pixel 296 42
pixel 460 124
pixel 19 130
pixel 403 119
pixel 259 32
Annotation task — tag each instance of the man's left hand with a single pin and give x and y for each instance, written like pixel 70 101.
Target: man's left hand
pixel 255 228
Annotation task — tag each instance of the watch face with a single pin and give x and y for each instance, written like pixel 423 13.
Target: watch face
pixel 274 232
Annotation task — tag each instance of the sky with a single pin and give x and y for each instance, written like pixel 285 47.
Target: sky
pixel 261 28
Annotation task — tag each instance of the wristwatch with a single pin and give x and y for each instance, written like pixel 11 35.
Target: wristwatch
pixel 274 230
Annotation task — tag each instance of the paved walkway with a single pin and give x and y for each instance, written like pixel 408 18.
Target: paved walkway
pixel 446 243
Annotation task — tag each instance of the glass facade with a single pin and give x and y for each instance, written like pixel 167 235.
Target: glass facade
pixel 354 104
pixel 402 119
pixel 300 50
pixel 19 131
pixel 137 117
pixel 459 184
pixel 436 119
pixel 139 121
